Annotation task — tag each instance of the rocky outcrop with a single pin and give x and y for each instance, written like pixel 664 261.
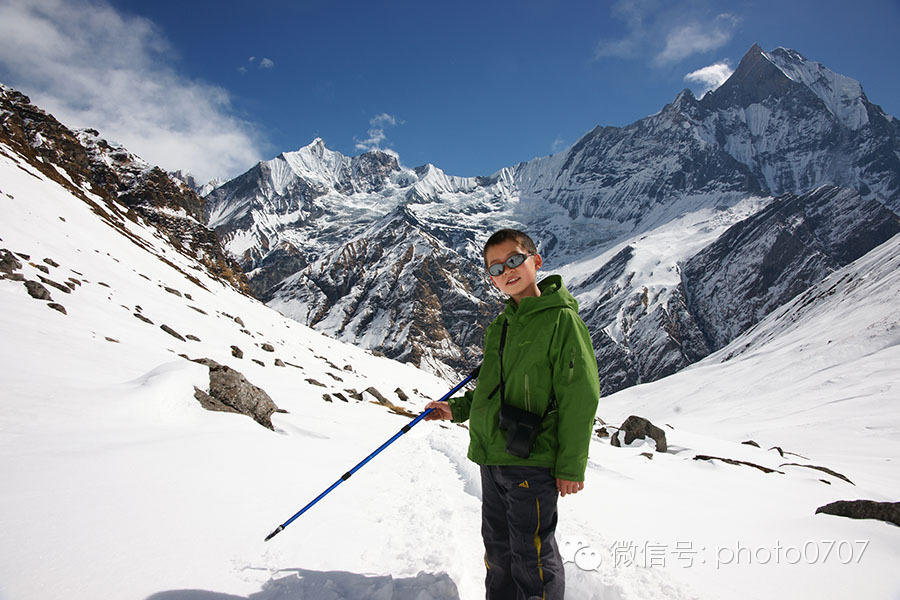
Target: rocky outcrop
pixel 399 291
pixel 762 262
pixel 229 391
pixel 888 512
pixel 638 428
pixel 129 187
pixel 733 461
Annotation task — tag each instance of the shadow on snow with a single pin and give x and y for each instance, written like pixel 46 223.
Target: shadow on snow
pixel 303 584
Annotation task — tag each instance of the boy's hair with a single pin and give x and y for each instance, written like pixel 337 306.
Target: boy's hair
pixel 520 237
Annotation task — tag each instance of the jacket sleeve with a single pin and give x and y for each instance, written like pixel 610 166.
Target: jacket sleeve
pixel 577 389
pixel 459 407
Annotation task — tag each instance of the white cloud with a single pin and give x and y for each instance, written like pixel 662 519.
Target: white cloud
pixel 666 33
pixel 695 38
pixel 376 136
pixel 634 14
pixel 558 145
pixel 92 66
pixel 266 63
pixel 383 119
pixel 373 142
pixel 710 77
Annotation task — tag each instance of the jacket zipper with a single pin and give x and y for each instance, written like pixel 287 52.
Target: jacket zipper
pixel 527 394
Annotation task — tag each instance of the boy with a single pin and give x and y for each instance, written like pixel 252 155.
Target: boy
pixel 548 370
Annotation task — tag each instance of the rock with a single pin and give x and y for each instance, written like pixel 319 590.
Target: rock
pixel 863 509
pixel 42 268
pixel 279 362
pixel 823 469
pixel 192 337
pixel 636 427
pixel 732 461
pixel 340 397
pixel 229 390
pixel 268 347
pixel 312 381
pixel 8 262
pixel 58 307
pixel 259 362
pixel 327 397
pixel 239 321
pixel 783 452
pixel 237 352
pixel 37 291
pixel 602 432
pixel 143 318
pixel 171 332
pixel 378 395
pixel 59 286
pixel 647 454
pixel 51 262
pixel 752 443
pixel 173 291
pixel 210 403
pixel 400 394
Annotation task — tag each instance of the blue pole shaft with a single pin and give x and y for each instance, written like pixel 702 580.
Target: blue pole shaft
pixel 363 462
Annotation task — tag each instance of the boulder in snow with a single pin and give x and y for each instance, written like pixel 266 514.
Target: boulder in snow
pixel 863 509
pixel 229 391
pixel 636 427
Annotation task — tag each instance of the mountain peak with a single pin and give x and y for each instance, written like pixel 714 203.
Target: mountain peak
pixel 317 147
pixel 755 79
pixel 842 95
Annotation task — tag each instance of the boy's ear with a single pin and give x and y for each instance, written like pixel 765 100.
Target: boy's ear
pixel 538 261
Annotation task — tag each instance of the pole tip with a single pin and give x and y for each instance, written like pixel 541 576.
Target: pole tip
pixel 274 533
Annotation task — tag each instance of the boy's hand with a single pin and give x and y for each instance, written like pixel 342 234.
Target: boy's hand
pixel 441 412
pixel 568 487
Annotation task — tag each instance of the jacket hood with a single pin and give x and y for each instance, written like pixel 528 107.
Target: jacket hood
pixel 553 295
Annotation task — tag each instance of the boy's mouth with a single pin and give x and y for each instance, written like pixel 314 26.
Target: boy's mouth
pixel 512 280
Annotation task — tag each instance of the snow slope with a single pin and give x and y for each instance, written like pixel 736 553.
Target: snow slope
pixel 116 484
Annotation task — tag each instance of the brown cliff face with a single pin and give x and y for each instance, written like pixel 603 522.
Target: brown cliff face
pixel 99 172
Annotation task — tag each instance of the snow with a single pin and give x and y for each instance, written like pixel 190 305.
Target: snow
pixel 842 95
pixel 116 484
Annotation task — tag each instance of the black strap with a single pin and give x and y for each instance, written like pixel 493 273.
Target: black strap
pixel 502 386
pixel 502 344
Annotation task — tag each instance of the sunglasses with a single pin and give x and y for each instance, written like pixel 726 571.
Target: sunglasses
pixel 496 269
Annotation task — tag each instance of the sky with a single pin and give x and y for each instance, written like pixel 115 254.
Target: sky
pixel 212 87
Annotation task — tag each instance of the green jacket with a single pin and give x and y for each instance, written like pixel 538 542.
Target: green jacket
pixel 548 349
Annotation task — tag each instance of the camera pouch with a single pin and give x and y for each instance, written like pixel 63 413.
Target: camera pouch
pixel 521 427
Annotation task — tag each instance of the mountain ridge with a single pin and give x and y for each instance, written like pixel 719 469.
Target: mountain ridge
pixel 781 124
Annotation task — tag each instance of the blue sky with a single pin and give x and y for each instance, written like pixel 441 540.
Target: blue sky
pixel 213 86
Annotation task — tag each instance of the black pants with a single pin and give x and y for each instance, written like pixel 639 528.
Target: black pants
pixel 518 523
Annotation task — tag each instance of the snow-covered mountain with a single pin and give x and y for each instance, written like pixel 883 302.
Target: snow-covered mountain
pixel 118 484
pixel 781 124
pixel 767 259
pixel 114 176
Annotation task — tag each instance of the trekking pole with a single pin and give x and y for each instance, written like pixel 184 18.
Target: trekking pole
pixel 361 464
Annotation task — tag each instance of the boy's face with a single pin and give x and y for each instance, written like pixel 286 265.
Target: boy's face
pixel 519 282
